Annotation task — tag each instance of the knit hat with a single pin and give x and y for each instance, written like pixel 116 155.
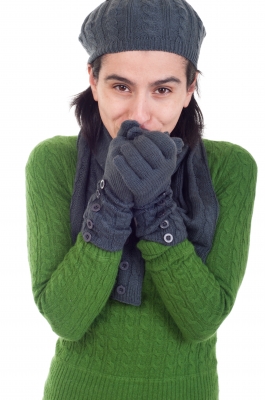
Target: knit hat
pixel 126 25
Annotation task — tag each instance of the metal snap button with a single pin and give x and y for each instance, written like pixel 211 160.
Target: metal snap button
pixel 102 184
pixel 168 238
pixel 120 289
pixel 89 224
pixel 124 265
pixel 95 207
pixel 164 224
pixel 87 236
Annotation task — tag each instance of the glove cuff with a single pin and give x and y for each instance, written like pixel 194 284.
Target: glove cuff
pixel 161 222
pixel 106 221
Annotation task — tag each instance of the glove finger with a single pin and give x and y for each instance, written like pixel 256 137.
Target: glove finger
pixel 126 126
pixel 156 156
pixel 131 180
pixel 164 142
pixel 114 147
pixel 135 160
pixel 133 132
pixel 149 151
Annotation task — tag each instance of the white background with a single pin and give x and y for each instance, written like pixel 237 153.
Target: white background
pixel 42 66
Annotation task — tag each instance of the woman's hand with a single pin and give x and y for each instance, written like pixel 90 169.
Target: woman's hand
pixel 146 162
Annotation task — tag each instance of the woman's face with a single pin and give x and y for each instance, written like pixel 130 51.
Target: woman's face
pixel 147 86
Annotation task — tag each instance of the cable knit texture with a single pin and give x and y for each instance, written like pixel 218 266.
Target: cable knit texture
pixel 162 221
pixel 164 349
pixel 127 25
pixel 108 211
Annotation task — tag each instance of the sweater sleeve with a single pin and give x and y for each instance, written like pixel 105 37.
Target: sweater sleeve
pixel 71 283
pixel 200 296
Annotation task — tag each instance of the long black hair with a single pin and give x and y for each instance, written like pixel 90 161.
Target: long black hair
pixel 189 126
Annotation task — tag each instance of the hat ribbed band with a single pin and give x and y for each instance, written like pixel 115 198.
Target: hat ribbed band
pixel 155 44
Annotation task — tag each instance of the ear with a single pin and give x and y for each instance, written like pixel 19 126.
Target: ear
pixel 93 82
pixel 190 91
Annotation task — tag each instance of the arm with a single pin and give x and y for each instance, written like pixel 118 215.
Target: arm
pixel 71 283
pixel 200 296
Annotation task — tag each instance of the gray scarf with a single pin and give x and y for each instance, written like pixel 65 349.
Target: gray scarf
pixel 192 191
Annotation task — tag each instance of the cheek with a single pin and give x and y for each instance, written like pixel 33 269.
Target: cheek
pixel 171 115
pixel 172 119
pixel 114 110
pixel 181 101
pixel 111 116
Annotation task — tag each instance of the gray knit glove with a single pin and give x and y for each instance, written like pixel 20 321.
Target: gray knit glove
pixel 107 219
pixel 146 163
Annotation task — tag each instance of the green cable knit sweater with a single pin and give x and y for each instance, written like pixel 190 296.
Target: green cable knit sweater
pixel 164 349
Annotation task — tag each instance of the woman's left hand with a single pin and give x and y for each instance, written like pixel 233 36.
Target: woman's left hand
pixel 146 163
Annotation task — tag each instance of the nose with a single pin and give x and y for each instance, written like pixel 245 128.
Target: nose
pixel 140 110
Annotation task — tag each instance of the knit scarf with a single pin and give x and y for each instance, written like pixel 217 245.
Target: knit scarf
pixel 192 191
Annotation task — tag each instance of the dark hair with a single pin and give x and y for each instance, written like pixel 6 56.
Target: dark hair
pixel 189 127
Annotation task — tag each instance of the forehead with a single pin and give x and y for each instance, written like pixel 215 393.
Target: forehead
pixel 139 63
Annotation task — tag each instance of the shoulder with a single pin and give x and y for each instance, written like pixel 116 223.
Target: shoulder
pixel 219 151
pixel 58 147
pixel 53 162
pixel 229 160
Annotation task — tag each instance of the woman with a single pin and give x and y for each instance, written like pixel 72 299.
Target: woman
pixel 138 236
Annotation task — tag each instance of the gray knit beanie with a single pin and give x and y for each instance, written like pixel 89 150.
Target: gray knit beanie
pixel 126 25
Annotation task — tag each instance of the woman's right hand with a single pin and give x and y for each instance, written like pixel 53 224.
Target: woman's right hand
pixel 112 181
pixel 108 216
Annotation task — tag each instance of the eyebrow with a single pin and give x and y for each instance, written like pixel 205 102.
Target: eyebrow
pixel 156 83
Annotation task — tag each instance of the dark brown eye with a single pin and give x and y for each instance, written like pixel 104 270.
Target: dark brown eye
pixel 162 90
pixel 121 88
